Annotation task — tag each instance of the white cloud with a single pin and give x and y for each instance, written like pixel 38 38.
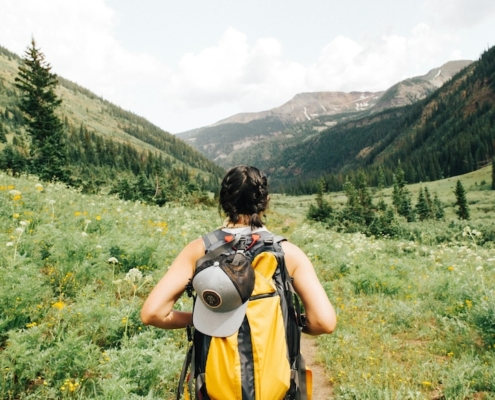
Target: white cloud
pixel 78 40
pixel 376 64
pixel 259 77
pixel 235 72
pixel 212 75
pixel 459 14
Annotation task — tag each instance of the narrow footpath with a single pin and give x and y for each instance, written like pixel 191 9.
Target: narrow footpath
pixel 322 389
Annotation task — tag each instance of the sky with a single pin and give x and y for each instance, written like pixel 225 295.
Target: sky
pixel 186 64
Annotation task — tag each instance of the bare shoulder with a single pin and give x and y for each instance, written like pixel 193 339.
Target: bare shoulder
pixel 196 246
pixel 291 249
pixel 193 250
pixel 295 258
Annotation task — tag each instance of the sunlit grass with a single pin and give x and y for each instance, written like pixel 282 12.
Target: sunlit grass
pixel 416 317
pixel 75 270
pixel 407 315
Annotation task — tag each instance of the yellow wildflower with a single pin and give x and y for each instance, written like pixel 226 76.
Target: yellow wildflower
pixel 59 305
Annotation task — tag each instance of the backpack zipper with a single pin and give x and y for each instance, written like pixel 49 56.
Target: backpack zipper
pixel 263 296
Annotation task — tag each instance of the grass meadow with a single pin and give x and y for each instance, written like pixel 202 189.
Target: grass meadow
pixel 416 315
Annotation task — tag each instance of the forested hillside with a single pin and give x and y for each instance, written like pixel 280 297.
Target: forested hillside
pixel 449 133
pixel 248 137
pixel 106 144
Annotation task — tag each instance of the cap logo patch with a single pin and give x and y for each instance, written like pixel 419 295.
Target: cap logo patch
pixel 212 298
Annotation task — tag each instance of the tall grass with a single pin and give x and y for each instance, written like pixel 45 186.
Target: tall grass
pixel 74 272
pixel 415 321
pixel 416 317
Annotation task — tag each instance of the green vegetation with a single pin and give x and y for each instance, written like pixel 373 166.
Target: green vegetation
pixel 38 103
pixel 361 214
pixel 401 197
pixel 322 210
pixel 461 202
pixel 106 147
pixel 449 133
pixel 413 285
pixel 415 314
pixel 493 173
pixel 75 269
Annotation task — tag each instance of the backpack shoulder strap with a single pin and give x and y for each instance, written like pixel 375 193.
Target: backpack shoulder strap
pixel 213 239
pixel 221 248
pixel 293 317
pixel 267 241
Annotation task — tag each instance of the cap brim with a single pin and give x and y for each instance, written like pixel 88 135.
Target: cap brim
pixel 218 324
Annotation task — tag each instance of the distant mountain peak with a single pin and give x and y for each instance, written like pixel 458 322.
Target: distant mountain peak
pixel 309 105
pixel 306 106
pixel 307 114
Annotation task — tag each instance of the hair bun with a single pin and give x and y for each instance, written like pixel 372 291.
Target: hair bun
pixel 244 190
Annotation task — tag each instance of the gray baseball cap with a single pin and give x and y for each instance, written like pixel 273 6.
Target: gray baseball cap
pixel 223 290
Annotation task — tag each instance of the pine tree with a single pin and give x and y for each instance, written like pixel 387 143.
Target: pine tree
pixel 13 161
pixel 401 197
pixel 461 202
pixel 352 196
pixel 381 205
pixel 422 208
pixel 429 203
pixel 364 198
pixel 38 103
pixel 359 208
pixel 322 211
pixel 3 138
pixel 493 173
pixel 438 208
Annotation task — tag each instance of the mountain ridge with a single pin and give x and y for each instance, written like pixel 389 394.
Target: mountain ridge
pixel 83 110
pixel 238 138
pixel 436 77
pixel 448 133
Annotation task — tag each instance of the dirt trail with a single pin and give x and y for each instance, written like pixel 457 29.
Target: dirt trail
pixel 322 389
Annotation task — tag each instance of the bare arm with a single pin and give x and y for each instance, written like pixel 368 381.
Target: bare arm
pixel 320 314
pixel 158 308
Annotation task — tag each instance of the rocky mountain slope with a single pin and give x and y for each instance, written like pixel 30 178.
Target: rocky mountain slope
pixel 450 132
pixel 411 90
pixel 249 136
pixel 307 106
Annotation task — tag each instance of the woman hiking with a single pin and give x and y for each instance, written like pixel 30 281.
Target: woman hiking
pixel 243 198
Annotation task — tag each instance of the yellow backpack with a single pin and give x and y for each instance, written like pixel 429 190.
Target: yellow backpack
pixel 261 360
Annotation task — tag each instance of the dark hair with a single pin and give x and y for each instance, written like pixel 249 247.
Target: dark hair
pixel 244 191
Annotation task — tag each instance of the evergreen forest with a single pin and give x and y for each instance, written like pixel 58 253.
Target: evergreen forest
pixel 449 133
pixel 105 148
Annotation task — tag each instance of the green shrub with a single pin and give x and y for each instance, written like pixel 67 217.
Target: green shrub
pixel 370 281
pixel 483 317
